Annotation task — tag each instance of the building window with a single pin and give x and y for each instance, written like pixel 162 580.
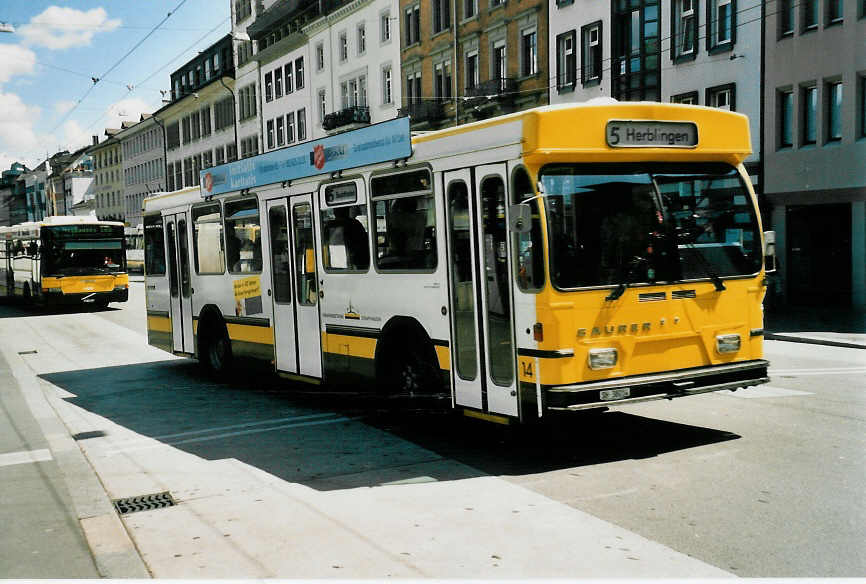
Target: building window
pixel 387 95
pixel 269 87
pixel 289 78
pixel 302 124
pixel 442 80
pixel 786 18
pixel 299 73
pixel 529 52
pixel 441 15
pixel 320 57
pixel 281 139
pixel 385 27
pixel 413 88
pixel 278 84
pixel 362 38
pixel 566 62
pixel 344 46
pixel 689 98
pixel 834 11
pixel 685 32
pixel 809 14
pixel 290 127
pixel 785 101
pixel 270 134
pixel 472 79
pixel 723 22
pixel 219 155
pixel 590 70
pixel 495 3
pixel 498 63
pixel 833 91
pixel 323 105
pixel 413 25
pixel 205 121
pixel 470 8
pixel 722 97
pixel 243 8
pixel 861 108
pixel 809 115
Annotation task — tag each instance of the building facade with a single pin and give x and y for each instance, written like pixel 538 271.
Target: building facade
pixel 815 141
pixel 247 95
pixel 108 176
pixel 580 50
pixel 198 124
pixel 13 208
pixel 472 59
pixel 143 170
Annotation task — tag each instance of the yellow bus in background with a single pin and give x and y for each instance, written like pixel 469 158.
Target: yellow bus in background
pixel 562 258
pixel 64 260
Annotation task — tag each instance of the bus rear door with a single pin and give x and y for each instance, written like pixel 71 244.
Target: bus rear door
pixel 482 354
pixel 180 285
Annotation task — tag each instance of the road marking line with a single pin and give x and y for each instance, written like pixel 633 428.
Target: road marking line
pixel 767 391
pixel 25 456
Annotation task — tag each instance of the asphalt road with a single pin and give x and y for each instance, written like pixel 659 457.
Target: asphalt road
pixel 764 482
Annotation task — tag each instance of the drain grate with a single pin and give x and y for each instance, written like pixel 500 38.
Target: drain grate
pixel 143 503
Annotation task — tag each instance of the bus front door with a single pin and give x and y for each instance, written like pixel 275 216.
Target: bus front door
pixel 180 285
pixel 482 347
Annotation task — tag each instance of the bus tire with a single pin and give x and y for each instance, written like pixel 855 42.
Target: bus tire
pixel 409 366
pixel 26 296
pixel 215 348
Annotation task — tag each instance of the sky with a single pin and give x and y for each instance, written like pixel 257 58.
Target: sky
pixel 48 98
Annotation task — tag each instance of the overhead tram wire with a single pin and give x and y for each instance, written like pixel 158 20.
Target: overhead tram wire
pixel 167 63
pixel 96 80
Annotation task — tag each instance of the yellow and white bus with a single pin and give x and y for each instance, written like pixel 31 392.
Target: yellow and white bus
pixel 64 260
pixel 560 258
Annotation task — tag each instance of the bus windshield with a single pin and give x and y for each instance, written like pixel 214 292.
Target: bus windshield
pixel 69 250
pixel 615 224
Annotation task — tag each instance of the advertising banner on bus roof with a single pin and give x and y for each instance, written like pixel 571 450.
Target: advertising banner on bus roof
pixel 377 143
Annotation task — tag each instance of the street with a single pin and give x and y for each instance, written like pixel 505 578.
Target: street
pixel 270 479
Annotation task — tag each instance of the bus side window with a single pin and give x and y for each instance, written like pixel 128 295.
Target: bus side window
pixel 345 242
pixel 528 255
pixel 405 225
pixel 207 239
pixel 154 246
pixel 243 236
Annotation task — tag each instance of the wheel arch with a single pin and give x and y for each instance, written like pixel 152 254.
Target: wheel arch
pixel 209 317
pixel 395 334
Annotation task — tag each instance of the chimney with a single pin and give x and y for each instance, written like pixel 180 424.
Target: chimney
pixel 95 140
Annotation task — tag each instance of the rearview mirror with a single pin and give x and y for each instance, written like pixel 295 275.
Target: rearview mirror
pixel 520 218
pixel 770 251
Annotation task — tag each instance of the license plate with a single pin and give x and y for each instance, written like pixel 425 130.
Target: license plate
pixel 612 394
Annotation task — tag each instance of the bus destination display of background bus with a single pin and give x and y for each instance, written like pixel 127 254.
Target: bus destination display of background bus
pixel 377 143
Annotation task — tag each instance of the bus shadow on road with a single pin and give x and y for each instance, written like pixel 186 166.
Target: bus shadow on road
pixel 9 309
pixel 336 440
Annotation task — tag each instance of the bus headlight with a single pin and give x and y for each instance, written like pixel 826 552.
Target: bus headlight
pixel 602 358
pixel 728 343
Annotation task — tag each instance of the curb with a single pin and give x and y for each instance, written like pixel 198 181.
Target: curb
pixel 812 341
pixel 111 546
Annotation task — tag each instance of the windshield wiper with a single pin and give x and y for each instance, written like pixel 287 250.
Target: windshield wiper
pixel 634 263
pixel 685 235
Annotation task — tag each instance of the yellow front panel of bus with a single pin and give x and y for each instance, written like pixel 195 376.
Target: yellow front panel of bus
pixel 85 284
pixel 650 337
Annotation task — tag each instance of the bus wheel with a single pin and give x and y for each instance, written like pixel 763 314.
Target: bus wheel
pixel 217 351
pixel 26 296
pixel 413 370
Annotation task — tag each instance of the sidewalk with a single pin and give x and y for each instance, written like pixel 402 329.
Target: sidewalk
pixel 819 326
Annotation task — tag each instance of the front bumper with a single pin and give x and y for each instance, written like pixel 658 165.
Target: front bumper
pixel 58 298
pixel 667 385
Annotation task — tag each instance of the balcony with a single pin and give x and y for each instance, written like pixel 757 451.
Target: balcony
pixel 347 119
pixel 498 90
pixel 423 111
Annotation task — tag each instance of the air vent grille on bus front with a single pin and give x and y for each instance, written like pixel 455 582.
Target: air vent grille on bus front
pixel 652 296
pixel 678 294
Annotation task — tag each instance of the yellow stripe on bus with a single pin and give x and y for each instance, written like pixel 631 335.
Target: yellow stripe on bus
pixel 351 346
pixel 160 324
pixel 251 334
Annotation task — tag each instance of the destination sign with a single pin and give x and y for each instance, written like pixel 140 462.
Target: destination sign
pixel 651 134
pixel 377 143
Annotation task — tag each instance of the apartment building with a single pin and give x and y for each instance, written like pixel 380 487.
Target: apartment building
pixel 248 141
pixel 815 148
pixel 143 153
pixel 580 50
pixel 472 59
pixel 198 124
pixel 108 180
